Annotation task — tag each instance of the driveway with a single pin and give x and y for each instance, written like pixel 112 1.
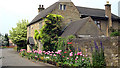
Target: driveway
pixel 9 57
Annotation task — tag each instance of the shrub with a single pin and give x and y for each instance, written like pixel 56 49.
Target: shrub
pixel 116 33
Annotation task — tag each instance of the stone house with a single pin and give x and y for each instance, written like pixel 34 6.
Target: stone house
pixel 78 21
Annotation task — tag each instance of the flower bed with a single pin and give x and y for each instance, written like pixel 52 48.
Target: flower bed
pixel 66 58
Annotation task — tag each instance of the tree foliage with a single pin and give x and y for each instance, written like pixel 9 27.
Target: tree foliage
pixel 4 40
pixel 50 32
pixel 18 35
pixel 7 39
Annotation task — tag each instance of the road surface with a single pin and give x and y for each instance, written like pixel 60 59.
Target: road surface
pixel 9 57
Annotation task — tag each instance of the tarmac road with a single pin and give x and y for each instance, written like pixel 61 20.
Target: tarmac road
pixel 9 57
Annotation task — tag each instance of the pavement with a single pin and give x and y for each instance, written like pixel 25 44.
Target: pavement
pixel 11 59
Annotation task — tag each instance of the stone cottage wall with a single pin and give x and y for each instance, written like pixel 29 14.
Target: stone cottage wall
pixel 110 47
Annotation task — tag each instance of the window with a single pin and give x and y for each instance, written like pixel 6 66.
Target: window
pixel 62 7
pixel 98 24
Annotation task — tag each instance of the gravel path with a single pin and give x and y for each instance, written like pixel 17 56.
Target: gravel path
pixel 10 57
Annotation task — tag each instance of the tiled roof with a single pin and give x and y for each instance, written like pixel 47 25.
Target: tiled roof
pixel 82 10
pixel 43 13
pixel 93 12
pixel 73 27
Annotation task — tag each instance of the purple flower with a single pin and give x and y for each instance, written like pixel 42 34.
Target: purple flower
pixel 79 49
pixel 96 47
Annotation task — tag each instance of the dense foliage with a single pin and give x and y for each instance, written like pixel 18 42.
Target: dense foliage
pixel 18 35
pixel 4 40
pixel 50 32
pixel 115 33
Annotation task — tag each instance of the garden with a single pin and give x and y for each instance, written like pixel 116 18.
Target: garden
pixel 68 56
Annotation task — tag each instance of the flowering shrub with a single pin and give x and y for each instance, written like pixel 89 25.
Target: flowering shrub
pixel 98 56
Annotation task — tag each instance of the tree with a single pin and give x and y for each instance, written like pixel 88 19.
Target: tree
pixel 18 35
pixel 7 40
pixel 50 32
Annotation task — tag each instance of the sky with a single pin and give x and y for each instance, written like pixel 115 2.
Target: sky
pixel 13 11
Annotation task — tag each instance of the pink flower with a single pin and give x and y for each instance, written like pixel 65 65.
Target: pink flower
pixel 59 50
pixel 65 52
pixel 22 50
pixel 71 54
pixel 86 55
pixel 30 51
pixel 33 49
pixel 69 43
pixel 75 58
pixel 75 53
pixel 63 56
pixel 80 54
pixel 82 59
pixel 43 51
pixel 83 55
pixel 67 58
pixel 36 56
pixel 50 54
pixel 75 61
pixel 54 55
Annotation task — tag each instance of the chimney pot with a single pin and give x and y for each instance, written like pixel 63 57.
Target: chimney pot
pixel 107 2
pixel 39 6
pixel 42 6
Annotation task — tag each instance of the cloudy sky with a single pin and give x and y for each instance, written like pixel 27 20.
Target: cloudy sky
pixel 12 11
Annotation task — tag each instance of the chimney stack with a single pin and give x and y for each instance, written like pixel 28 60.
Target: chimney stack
pixel 41 7
pixel 108 13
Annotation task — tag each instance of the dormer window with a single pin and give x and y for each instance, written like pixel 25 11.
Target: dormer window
pixel 62 7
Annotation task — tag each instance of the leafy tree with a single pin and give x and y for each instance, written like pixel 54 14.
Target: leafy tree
pixel 50 32
pixel 18 35
pixel 7 39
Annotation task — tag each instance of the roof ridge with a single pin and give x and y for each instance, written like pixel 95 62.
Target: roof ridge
pixel 91 8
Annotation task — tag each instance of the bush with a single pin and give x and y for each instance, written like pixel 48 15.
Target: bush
pixel 116 33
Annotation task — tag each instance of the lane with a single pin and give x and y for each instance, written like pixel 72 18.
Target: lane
pixel 12 58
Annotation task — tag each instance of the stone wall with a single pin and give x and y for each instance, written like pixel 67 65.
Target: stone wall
pixel 70 13
pixel 110 47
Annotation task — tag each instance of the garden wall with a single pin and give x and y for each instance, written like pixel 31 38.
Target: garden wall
pixel 110 47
